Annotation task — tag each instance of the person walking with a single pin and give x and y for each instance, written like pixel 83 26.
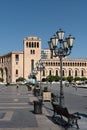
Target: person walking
pixel 17 85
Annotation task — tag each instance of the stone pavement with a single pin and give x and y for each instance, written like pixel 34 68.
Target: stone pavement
pixel 17 111
pixel 48 123
pixel 43 122
pixel 20 115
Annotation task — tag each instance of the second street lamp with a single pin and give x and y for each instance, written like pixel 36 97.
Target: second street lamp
pixel 40 67
pixel 61 48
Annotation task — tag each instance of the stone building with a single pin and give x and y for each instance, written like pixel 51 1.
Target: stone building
pixel 21 64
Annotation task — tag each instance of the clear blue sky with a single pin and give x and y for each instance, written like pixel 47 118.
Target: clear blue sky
pixel 42 18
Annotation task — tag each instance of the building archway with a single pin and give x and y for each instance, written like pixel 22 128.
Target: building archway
pixel 1 73
pixel 5 75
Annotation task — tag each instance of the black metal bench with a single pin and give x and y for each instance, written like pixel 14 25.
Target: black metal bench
pixel 63 112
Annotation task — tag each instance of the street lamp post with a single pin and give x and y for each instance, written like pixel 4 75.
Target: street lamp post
pixel 40 66
pixel 61 48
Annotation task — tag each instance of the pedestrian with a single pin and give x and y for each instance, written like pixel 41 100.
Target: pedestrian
pixel 17 86
pixel 76 87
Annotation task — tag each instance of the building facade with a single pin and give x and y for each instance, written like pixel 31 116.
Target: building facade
pixel 21 64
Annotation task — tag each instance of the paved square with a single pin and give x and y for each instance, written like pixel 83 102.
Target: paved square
pixel 19 118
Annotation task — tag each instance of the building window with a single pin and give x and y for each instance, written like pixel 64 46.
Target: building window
pixel 16 73
pixel 69 72
pixel 82 73
pixel 16 57
pixel 16 63
pixel 63 72
pixel 43 72
pixel 32 44
pixel 75 73
pixel 32 51
pixel 70 63
pixel 56 72
pixel 32 65
pixel 50 72
pixel 27 44
pixel 37 44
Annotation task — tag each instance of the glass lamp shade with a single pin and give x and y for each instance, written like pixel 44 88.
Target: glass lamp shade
pixel 65 44
pixel 60 34
pixel 70 41
pixel 54 41
pixel 50 45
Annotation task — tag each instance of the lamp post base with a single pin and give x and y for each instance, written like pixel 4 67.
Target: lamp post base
pixel 61 101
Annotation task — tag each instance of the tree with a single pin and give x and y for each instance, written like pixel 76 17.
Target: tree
pixel 70 79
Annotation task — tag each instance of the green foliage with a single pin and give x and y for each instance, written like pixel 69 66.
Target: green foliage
pixel 20 79
pixel 77 79
pixel 56 78
pixel 1 79
pixel 52 78
pixel 69 79
pixel 83 78
pixel 49 78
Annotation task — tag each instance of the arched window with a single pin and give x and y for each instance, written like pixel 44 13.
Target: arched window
pixel 53 63
pixel 69 72
pixel 33 51
pixel 30 51
pixel 29 44
pixel 50 72
pixel 70 63
pixel 76 73
pixel 49 63
pixel 43 72
pixel 32 44
pixel 63 72
pixel 37 44
pixel 56 63
pixel 56 72
pixel 63 63
pixel 82 73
